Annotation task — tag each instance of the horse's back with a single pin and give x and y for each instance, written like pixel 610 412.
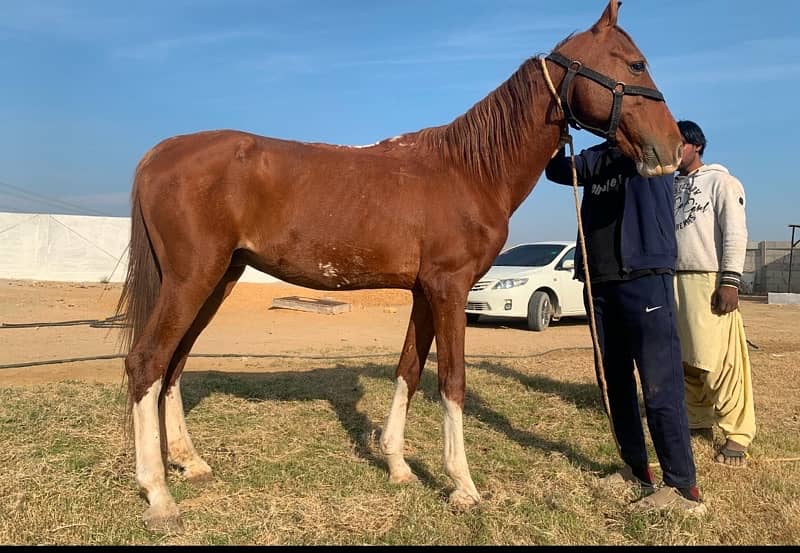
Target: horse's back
pixel 201 150
pixel 301 183
pixel 315 214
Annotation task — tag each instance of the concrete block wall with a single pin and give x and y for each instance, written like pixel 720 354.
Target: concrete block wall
pixel 767 264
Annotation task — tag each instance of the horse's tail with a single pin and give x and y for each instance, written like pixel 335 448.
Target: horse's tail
pixel 143 281
pixel 140 290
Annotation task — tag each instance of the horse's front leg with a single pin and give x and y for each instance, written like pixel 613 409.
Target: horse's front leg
pixel 412 360
pixel 450 326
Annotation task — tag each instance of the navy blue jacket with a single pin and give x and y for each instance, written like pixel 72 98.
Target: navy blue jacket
pixel 645 239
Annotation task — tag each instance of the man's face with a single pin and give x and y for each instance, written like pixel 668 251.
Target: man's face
pixel 690 159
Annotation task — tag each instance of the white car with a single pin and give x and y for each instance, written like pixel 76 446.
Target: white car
pixel 529 281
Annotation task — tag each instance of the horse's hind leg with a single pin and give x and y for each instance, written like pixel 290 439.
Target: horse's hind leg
pixel 176 309
pixel 412 360
pixel 179 444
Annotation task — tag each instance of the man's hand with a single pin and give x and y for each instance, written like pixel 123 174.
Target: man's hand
pixel 724 300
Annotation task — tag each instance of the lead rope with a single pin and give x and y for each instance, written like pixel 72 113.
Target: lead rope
pixel 566 137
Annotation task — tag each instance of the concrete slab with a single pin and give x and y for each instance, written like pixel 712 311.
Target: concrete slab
pixel 783 298
pixel 314 305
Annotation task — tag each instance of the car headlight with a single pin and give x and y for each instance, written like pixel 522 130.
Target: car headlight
pixel 509 283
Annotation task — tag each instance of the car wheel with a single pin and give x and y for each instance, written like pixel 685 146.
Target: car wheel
pixel 540 311
pixel 472 318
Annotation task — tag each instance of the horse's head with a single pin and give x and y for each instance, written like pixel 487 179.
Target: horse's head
pixel 607 90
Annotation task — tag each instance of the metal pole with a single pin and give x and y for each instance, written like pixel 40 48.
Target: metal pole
pixel 792 244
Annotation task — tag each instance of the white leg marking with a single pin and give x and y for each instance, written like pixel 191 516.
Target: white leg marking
pixel 455 459
pixel 393 436
pixel 150 474
pixel 179 444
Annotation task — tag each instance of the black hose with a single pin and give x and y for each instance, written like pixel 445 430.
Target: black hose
pixel 272 356
pixel 109 322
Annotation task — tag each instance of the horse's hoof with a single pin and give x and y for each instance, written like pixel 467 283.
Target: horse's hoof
pixel 405 478
pixel 462 501
pixel 160 522
pixel 193 470
pixel 199 478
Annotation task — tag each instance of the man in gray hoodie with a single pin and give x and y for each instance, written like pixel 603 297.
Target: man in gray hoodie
pixel 712 241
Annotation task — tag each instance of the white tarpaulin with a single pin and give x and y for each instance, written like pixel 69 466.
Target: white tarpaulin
pixel 71 248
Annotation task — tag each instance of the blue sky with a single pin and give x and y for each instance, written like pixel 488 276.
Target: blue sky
pixel 89 86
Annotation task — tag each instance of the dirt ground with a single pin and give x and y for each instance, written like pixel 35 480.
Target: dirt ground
pixel 247 324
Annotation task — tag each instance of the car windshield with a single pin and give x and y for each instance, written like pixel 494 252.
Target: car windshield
pixel 530 255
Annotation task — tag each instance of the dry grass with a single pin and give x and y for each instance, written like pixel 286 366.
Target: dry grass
pixel 295 462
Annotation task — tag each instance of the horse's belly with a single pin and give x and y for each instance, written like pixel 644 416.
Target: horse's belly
pixel 338 271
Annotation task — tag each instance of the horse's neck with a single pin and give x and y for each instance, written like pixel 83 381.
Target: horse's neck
pixel 505 141
pixel 541 142
pixel 531 166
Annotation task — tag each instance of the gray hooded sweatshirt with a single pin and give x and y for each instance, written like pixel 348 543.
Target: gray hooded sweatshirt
pixel 710 221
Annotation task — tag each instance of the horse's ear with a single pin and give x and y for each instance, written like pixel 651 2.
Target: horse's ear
pixel 609 17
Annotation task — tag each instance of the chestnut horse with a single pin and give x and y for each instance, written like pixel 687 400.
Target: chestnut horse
pixel 427 211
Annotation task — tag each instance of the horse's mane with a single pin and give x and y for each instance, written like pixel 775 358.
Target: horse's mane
pixel 486 140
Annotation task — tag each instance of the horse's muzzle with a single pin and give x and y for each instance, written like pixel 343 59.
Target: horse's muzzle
pixel 652 165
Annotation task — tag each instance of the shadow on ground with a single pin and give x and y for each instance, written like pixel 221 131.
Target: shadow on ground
pixel 341 387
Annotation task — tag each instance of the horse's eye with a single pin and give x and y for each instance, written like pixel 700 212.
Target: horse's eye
pixel 637 67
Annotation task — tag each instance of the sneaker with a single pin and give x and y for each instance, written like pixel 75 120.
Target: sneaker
pixel 627 485
pixel 625 477
pixel 671 498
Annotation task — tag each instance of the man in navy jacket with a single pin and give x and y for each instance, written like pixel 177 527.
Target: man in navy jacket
pixel 631 249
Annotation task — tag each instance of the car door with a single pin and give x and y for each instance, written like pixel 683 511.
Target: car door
pixel 570 290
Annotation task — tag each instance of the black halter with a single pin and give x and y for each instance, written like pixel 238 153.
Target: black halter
pixel 617 88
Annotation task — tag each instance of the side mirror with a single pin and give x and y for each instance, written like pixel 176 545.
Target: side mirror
pixel 568 265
